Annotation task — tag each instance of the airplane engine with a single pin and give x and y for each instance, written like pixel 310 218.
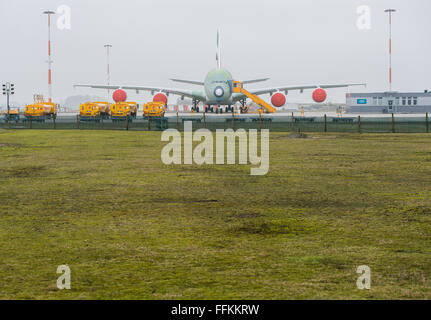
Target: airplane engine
pixel 278 99
pixel 119 95
pixel 319 95
pixel 160 97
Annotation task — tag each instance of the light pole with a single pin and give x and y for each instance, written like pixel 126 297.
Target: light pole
pixel 8 89
pixel 49 13
pixel 390 11
pixel 108 47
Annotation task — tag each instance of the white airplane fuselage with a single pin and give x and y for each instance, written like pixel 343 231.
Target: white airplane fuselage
pixel 218 87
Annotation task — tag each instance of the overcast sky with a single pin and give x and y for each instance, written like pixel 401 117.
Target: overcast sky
pixel 290 41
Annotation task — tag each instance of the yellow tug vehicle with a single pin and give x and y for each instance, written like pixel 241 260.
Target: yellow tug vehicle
pixel 12 116
pixel 41 111
pixel 94 111
pixel 154 110
pixel 122 111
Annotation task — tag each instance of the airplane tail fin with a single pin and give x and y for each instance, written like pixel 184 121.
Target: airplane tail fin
pixel 218 55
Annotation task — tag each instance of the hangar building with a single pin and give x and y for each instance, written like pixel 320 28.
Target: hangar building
pixel 389 102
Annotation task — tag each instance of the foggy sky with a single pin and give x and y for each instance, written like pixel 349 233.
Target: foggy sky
pixel 293 42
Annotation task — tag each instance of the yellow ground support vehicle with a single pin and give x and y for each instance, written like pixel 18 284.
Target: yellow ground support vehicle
pixel 41 111
pixel 154 109
pixel 121 111
pixel 133 108
pixel 12 116
pixel 94 111
pixel 154 112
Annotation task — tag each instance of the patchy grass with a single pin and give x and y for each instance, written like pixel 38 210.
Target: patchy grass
pixel 275 227
pixel 22 171
pixel 132 228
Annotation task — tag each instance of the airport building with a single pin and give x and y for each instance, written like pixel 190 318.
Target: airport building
pixel 389 102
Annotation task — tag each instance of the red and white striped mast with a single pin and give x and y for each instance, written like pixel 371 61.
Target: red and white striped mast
pixel 49 13
pixel 108 47
pixel 390 11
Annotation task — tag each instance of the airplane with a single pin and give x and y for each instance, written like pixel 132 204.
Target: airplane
pixel 218 90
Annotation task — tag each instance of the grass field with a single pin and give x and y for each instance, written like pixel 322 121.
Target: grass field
pixel 130 227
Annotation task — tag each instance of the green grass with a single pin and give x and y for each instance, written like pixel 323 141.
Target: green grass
pixel 132 228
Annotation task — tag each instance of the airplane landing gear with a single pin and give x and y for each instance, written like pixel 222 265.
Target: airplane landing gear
pixel 195 107
pixel 218 110
pixel 243 108
pixel 229 109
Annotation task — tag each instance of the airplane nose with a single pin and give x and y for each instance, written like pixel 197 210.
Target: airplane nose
pixel 219 92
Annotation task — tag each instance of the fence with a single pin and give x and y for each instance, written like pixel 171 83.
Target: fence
pixel 356 124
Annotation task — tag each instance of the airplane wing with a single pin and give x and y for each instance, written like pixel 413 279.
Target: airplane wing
pixel 255 81
pixel 302 88
pixel 199 83
pixel 180 92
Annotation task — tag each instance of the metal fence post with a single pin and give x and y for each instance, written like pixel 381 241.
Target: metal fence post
pixel 393 123
pixel 101 121
pixel 77 121
pixel 55 127
pixel 260 120
pixel 127 123
pixel 293 123
pixel 8 119
pixel 427 123
pixel 205 118
pixel 149 122
pixel 233 121
pixel 178 123
pixel 359 124
pixel 326 125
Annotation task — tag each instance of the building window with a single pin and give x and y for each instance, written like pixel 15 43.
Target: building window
pixel 397 101
pixel 410 101
pixel 404 101
pixel 380 101
pixel 415 101
pixel 375 101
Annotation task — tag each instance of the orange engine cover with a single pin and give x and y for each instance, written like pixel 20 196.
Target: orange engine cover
pixel 119 95
pixel 160 97
pixel 319 95
pixel 278 99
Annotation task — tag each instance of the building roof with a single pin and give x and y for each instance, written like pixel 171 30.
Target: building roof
pixel 390 94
